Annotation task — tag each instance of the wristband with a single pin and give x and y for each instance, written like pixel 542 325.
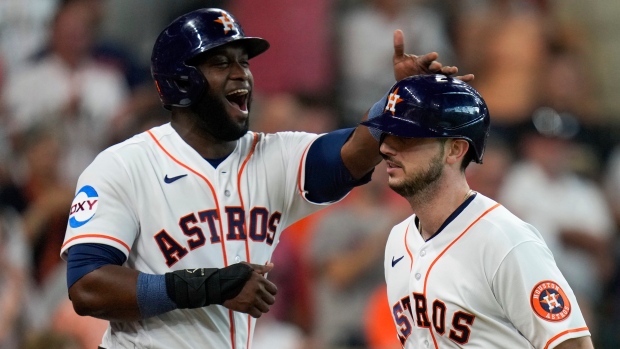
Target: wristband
pixel 152 295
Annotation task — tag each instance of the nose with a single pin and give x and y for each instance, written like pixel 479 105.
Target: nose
pixel 385 147
pixel 239 71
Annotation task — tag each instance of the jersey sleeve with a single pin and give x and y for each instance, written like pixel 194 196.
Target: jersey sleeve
pixel 536 297
pixel 102 210
pixel 288 168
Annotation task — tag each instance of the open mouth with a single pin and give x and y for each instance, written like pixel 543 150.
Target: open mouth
pixel 239 99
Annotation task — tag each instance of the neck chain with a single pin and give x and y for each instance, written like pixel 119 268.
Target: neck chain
pixel 467 195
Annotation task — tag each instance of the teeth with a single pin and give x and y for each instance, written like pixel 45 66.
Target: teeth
pixel 240 91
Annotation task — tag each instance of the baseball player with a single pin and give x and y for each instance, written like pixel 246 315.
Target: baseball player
pixel 462 271
pixel 171 232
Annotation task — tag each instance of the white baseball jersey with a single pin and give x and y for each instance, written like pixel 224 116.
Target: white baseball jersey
pixel 487 280
pixel 157 200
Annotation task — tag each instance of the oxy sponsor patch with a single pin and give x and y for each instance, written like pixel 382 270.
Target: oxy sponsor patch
pixel 83 207
pixel 549 301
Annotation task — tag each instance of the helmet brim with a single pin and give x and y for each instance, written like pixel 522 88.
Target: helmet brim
pixel 253 45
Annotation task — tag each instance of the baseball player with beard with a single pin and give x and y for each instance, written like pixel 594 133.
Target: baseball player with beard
pixel 171 232
pixel 462 271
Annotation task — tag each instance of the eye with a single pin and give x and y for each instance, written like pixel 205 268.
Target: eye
pixel 221 63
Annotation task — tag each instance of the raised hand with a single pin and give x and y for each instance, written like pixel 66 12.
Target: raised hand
pixel 257 295
pixel 406 64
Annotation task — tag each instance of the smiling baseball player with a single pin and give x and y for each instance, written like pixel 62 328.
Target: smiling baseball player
pixel 171 232
pixel 462 271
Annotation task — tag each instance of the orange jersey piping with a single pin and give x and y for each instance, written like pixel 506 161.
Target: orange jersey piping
pixel 98 236
pixel 444 251
pixel 245 230
pixel 564 333
pixel 217 206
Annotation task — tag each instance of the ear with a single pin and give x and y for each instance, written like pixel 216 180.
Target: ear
pixel 457 148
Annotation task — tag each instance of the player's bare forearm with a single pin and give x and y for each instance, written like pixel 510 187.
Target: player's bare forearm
pixel 576 343
pixel 360 153
pixel 107 293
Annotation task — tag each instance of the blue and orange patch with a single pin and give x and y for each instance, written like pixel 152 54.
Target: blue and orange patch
pixel 549 301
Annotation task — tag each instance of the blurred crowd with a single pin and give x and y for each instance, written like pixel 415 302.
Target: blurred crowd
pixel 74 79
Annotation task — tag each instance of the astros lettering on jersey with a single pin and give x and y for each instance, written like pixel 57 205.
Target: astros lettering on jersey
pixel 157 200
pixel 487 280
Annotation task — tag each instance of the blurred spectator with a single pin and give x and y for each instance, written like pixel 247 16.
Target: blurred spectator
pixel 487 178
pixel 567 89
pixel 569 211
pixel 68 88
pixel 292 112
pixel 365 40
pixel 50 340
pixel 299 59
pixel 23 29
pixel 347 255
pixel 611 309
pixel 611 178
pixel 567 86
pixel 87 330
pixel 47 199
pixel 14 282
pixel 379 322
pixel 592 27
pixel 271 333
pixel 504 44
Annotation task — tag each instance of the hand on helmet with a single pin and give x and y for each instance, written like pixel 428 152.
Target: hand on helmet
pixel 406 64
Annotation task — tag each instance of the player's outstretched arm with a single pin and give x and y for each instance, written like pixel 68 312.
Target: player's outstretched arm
pixel 576 343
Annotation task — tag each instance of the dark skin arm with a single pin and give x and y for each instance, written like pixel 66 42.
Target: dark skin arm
pixel 109 293
pixel 577 343
pixel 360 153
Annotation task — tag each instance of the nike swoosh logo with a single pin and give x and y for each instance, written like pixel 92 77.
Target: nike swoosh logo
pixel 172 179
pixel 394 261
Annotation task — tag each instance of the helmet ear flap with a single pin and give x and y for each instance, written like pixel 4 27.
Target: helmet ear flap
pixel 185 88
pixel 193 87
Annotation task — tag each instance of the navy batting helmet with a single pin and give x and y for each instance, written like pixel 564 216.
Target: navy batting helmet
pixel 179 83
pixel 435 106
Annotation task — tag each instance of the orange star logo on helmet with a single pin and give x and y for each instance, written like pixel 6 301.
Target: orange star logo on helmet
pixel 226 21
pixel 549 301
pixel 393 99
